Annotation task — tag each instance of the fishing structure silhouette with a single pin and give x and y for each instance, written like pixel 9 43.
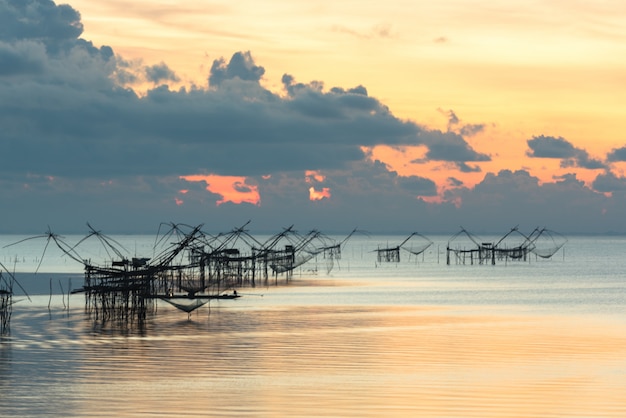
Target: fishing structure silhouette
pixel 190 267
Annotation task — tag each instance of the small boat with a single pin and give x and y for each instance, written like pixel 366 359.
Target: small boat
pixel 233 295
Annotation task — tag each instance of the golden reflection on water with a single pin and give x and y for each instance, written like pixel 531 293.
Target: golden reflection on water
pixel 352 361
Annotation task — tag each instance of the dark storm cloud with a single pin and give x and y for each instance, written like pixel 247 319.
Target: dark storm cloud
pixel 583 160
pixel 84 125
pixel 453 119
pixel 616 155
pixel 550 147
pixel 570 156
pixel 455 182
pixel 450 146
pixel 608 182
pixel 240 66
pixel 454 124
pixel 69 104
pixel 418 186
pixel 21 58
pixel 78 144
pixel 471 129
pixel 160 72
pixel 465 168
pixel 40 20
pixel 517 197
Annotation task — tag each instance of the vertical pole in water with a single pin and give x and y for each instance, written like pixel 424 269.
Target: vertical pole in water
pixel 50 300
pixel 62 293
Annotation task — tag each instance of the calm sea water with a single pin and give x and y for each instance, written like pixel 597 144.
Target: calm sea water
pixel 355 338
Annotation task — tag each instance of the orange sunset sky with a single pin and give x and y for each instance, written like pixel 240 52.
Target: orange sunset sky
pixel 397 114
pixel 520 68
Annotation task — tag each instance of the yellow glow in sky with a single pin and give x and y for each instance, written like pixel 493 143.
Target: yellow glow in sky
pixel 521 68
pixel 231 188
pixel 319 194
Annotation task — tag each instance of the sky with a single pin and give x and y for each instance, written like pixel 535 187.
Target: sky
pixel 397 116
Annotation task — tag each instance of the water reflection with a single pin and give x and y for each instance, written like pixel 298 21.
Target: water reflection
pixel 316 361
pixel 546 339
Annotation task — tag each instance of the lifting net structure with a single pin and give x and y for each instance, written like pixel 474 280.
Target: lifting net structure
pixel 465 248
pixel 414 244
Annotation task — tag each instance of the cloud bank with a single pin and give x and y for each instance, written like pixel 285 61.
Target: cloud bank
pixel 82 144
